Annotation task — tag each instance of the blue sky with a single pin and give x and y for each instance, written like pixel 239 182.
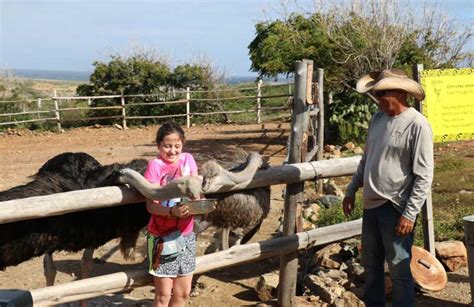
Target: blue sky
pixel 71 35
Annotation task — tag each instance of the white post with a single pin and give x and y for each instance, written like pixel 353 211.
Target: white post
pixel 56 112
pixel 124 117
pixel 39 103
pixel 259 103
pixel 188 118
pixel 89 102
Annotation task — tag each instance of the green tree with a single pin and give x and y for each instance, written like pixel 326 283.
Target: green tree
pixel 133 75
pixel 349 39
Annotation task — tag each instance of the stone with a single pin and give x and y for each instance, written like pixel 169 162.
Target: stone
pixel 358 150
pixel 301 301
pixel 452 254
pixel 329 201
pixel 349 146
pixel 267 286
pixel 337 275
pixel 350 299
pixel 329 257
pixel 315 207
pixel 329 148
pixel 356 272
pixel 327 292
pixel 331 188
pixel 308 225
pixel 336 153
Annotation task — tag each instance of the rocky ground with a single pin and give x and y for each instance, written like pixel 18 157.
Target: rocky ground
pixel 23 152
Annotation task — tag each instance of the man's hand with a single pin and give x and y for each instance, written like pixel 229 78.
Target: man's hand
pixel 404 226
pixel 348 205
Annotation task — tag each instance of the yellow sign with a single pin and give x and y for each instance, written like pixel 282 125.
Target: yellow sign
pixel 449 103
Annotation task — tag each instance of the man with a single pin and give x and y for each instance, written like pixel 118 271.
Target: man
pixel 395 172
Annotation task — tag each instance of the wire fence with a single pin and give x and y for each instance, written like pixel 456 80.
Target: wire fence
pixel 235 104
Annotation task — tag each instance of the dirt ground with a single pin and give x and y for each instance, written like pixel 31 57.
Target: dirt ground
pixel 24 152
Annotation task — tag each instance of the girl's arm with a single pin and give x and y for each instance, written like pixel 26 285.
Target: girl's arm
pixel 154 207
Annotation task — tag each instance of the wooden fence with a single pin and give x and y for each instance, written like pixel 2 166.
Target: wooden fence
pixel 52 109
pixel 61 203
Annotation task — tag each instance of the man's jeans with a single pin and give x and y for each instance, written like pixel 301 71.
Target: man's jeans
pixel 379 243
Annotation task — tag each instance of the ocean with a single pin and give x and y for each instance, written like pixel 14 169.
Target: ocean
pixel 84 75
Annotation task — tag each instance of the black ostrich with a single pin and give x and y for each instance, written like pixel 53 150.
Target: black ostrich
pixel 23 240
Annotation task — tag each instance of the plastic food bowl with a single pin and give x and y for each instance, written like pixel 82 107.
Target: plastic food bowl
pixel 200 206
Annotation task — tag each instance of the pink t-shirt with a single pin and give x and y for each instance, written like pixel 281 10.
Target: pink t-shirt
pixel 162 172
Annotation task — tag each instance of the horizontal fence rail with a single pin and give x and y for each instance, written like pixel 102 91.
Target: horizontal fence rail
pixel 62 203
pixel 236 255
pixel 126 104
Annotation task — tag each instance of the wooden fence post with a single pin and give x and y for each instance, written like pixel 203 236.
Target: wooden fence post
pixel 427 209
pixel 56 111
pixel 259 102
pixel 320 137
pixel 124 114
pixel 188 107
pixel 294 192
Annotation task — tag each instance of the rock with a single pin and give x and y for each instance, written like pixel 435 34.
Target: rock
pixel 358 150
pixel 308 225
pixel 452 254
pixel 329 201
pixel 327 291
pixel 336 275
pixel 329 257
pixel 118 126
pixel 312 300
pixel 331 188
pixel 267 286
pixel 350 299
pixel 315 207
pixel 356 272
pixel 348 251
pixel 329 148
pixel 349 146
pixel 343 266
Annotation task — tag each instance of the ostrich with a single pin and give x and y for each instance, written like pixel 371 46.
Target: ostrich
pixel 235 210
pixel 243 209
pixel 23 240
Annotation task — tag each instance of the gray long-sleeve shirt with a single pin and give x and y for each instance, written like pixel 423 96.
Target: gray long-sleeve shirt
pixel 397 164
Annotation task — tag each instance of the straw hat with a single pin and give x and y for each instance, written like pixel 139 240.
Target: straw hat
pixel 390 79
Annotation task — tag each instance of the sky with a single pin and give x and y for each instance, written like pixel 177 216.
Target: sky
pixel 70 35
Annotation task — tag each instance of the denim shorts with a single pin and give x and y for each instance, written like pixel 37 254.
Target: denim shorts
pixel 183 265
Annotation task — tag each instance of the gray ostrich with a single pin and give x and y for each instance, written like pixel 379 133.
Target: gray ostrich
pixel 244 209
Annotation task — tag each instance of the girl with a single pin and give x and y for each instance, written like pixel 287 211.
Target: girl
pixel 172 278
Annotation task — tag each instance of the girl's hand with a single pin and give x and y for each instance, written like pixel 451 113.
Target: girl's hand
pixel 180 211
